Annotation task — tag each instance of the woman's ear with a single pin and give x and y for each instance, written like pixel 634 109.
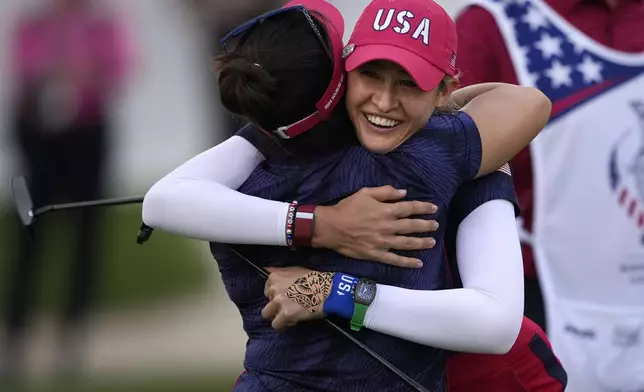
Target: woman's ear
pixel 449 86
pixel 445 102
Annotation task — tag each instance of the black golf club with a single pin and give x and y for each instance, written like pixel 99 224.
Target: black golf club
pixel 27 214
pixel 25 209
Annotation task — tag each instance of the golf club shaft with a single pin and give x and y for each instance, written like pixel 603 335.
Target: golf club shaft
pixel 87 204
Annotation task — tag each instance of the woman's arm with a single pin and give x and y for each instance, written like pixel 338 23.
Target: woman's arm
pixel 508 117
pixel 199 199
pixel 484 316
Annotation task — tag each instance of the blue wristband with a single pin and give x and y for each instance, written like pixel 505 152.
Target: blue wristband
pixel 340 300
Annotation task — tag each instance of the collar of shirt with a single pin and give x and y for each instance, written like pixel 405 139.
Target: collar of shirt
pixel 564 7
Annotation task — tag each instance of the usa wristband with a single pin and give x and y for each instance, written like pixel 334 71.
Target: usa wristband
pixel 340 300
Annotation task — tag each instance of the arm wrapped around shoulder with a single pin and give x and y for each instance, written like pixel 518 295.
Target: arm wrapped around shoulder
pixel 199 199
pixel 508 117
pixel 482 317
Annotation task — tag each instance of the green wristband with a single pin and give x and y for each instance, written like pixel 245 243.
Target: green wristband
pixel 359 313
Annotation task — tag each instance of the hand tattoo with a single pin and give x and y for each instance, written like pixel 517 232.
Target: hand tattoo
pixel 311 290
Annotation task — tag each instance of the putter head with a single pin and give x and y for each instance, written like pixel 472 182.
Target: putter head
pixel 22 200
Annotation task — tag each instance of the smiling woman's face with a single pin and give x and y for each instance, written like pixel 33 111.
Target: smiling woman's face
pixel 386 106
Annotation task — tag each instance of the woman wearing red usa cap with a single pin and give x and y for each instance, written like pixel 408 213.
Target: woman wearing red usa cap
pixel 274 79
pixel 530 365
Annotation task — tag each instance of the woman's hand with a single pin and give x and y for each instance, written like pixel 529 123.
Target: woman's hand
pixel 296 294
pixel 370 223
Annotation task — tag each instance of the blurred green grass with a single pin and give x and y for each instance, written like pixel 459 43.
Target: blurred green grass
pixel 183 383
pixel 166 267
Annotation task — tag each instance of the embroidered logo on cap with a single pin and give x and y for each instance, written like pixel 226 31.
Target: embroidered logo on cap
pixel 346 52
pixel 403 26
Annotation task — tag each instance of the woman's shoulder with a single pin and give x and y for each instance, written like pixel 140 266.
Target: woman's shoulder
pixel 446 140
pixel 443 130
pixel 446 123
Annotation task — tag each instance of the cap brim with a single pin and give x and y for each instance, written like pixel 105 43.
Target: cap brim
pixel 425 74
pixel 324 8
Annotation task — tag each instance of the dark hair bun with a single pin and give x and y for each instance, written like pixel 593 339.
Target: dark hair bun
pixel 244 86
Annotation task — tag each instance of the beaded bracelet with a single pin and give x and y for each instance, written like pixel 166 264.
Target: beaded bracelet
pixel 290 223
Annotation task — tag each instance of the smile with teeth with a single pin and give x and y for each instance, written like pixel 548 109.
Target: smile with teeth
pixel 381 122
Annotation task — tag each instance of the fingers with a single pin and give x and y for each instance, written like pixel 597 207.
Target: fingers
pixel 282 320
pixel 270 289
pixel 390 258
pixel 283 312
pixel 400 242
pixel 414 226
pixel 384 193
pixel 270 311
pixel 404 209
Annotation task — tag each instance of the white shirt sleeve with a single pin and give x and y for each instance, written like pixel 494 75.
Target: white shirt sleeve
pixel 196 200
pixel 199 199
pixel 483 317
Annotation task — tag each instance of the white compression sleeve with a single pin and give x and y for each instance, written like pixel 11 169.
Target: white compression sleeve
pixel 199 199
pixel 483 317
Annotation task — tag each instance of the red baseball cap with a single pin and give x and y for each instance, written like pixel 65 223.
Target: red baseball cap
pixel 418 35
pixel 332 18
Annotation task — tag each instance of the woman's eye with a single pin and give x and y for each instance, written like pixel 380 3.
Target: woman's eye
pixel 408 83
pixel 368 73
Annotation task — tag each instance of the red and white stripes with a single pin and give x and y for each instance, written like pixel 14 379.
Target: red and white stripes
pixel 632 206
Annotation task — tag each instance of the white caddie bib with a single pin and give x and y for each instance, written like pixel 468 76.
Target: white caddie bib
pixel 588 164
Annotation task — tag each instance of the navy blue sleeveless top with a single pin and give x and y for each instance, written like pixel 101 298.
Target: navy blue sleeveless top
pixel 431 166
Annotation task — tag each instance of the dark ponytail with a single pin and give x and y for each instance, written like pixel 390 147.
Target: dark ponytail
pixel 245 87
